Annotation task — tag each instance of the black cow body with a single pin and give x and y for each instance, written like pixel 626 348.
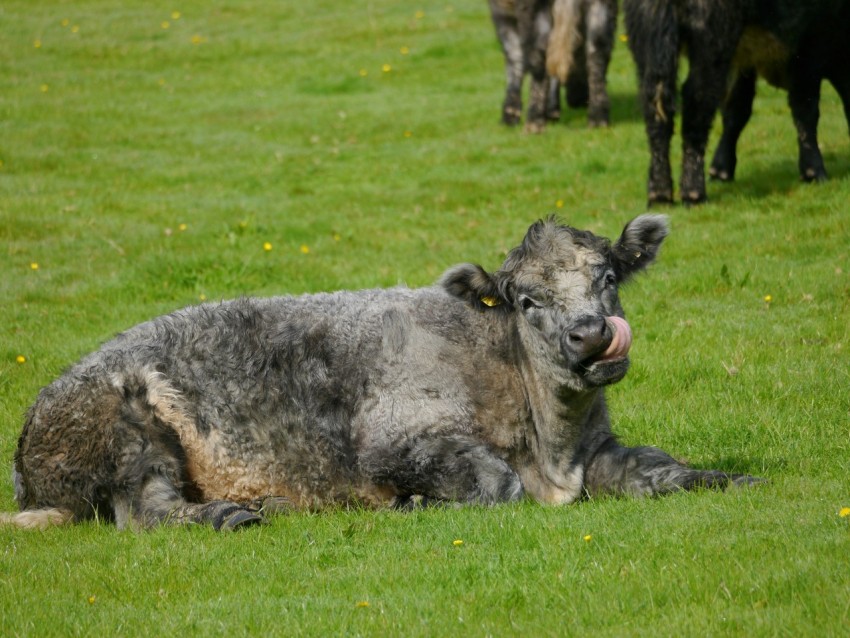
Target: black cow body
pixel 793 44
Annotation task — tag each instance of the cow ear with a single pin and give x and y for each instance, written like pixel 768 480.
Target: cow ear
pixel 639 244
pixel 474 285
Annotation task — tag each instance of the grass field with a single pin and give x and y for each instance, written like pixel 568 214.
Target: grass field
pixel 154 154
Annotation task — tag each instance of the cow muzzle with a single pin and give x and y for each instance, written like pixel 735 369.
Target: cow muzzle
pixel 598 340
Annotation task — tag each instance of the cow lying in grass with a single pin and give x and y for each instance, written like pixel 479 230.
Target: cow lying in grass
pixel 790 42
pixel 481 389
pixel 575 52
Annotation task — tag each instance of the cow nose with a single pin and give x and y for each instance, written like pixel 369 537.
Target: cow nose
pixel 588 337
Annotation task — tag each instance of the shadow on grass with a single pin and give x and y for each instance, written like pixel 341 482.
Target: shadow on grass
pixel 624 109
pixel 778 177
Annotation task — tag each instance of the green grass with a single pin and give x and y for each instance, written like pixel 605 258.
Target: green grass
pixel 250 122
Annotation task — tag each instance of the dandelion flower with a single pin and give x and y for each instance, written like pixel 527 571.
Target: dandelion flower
pixel 337 237
pixel 305 249
pixel 165 24
pixel 75 28
pixel 587 538
pixel 386 68
pixel 44 88
pixel 768 298
pixel 175 15
pixel 624 38
pixel 37 44
pixel 196 39
pixel 408 133
pixel 21 358
pixel 404 50
pixel 844 512
pixel 362 603
pixel 91 600
pixel 183 227
pixel 559 203
pixel 363 73
pixel 34 265
pixel 267 246
pixel 202 297
pixel 419 15
pixel 66 22
pixel 457 543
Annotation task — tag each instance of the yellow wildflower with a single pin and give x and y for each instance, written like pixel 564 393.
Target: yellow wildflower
pixel 37 44
pixel 183 227
pixel 175 15
pixel 267 246
pixel 587 538
pixel 768 298
pixel 386 68
pixel 66 22
pixel 34 266
pixel 165 24
pixel 624 38
pixel 457 543
pixel 196 39
pixel 559 203
pixel 44 88
pixel 419 14
pixel 305 249
pixel 91 600
pixel 363 73
pixel 202 297
pixel 75 28
pixel 408 133
pixel 844 512
pixel 21 358
pixel 362 603
pixel 404 50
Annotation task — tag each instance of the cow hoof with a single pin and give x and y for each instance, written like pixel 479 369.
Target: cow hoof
pixel 720 174
pixel 693 197
pixel 659 198
pixel 535 128
pixel 239 519
pixel 813 175
pixel 598 123
pixel 511 116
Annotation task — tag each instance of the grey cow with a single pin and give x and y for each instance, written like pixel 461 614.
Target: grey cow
pixel 481 389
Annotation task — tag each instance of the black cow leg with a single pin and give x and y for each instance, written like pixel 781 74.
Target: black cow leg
pixel 736 113
pixel 648 471
pixel 508 34
pixel 804 98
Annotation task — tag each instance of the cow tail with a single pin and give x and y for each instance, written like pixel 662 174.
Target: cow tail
pixel 37 519
pixel 564 38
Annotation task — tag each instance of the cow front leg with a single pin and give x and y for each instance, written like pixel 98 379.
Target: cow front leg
pixel 448 468
pixel 804 100
pixel 508 34
pixel 601 23
pixel 736 113
pixel 158 501
pixel 535 24
pixel 647 471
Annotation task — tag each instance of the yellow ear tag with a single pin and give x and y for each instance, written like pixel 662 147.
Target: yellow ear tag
pixel 490 301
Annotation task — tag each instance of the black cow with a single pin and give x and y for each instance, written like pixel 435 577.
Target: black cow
pixel 786 40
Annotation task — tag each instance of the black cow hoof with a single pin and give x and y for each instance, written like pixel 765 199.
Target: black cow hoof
pixel 659 199
pixel 721 174
pixel 814 175
pixel 693 198
pixel 239 519
pixel 511 116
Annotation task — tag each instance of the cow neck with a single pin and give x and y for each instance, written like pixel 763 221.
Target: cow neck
pixel 558 412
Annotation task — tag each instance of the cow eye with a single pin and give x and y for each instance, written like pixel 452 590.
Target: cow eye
pixel 527 303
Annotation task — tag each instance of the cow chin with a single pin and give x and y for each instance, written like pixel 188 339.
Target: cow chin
pixel 602 373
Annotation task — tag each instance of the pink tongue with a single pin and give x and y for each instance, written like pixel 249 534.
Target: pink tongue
pixel 621 342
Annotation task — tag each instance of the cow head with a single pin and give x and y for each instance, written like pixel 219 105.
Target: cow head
pixel 561 284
